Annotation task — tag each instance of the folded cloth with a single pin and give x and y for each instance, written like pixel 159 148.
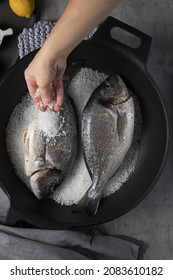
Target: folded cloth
pixel 33 38
pixel 79 244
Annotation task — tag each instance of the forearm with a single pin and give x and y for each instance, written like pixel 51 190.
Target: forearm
pixel 77 20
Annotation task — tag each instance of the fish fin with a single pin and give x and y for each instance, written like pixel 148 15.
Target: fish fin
pixel 89 204
pixel 121 124
pixel 93 207
pixel 82 204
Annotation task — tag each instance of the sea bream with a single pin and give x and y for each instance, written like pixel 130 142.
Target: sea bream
pixel 50 147
pixel 107 132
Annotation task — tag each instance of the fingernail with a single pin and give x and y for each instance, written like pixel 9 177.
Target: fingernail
pixel 59 102
pixel 43 109
pixel 41 106
pixel 56 107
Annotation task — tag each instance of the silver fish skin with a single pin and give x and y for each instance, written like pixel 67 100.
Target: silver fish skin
pixel 107 132
pixel 47 160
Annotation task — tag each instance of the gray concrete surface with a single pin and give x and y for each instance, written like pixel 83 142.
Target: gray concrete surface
pixel 151 221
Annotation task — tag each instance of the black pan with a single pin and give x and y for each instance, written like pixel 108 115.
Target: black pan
pixel 107 55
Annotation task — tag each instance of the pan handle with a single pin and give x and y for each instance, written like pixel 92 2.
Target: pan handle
pixel 12 217
pixel 141 52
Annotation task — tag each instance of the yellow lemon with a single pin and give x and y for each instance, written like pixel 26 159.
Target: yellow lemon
pixel 22 8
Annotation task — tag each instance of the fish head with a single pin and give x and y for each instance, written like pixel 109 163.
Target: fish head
pixel 44 182
pixel 41 165
pixel 113 91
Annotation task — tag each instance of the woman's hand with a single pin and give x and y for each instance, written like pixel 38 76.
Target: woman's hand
pixel 44 80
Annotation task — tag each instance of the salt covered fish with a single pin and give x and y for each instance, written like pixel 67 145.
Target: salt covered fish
pixel 107 132
pixel 50 147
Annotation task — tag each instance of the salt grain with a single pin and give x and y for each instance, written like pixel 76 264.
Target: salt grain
pixel 40 104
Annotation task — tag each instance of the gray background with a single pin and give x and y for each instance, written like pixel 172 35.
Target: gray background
pixel 151 221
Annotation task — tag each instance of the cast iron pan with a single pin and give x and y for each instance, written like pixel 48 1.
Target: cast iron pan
pixel 107 55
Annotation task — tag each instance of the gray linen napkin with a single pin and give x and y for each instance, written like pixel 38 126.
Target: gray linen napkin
pixel 79 244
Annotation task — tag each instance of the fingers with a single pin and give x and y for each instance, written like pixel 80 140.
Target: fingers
pixel 45 93
pixel 47 96
pixel 59 94
pixel 42 95
pixel 35 94
pixel 51 97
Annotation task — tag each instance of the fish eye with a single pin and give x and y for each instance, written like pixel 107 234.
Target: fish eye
pixel 108 86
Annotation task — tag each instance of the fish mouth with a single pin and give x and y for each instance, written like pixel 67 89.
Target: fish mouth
pixel 109 101
pixel 44 181
pixel 40 171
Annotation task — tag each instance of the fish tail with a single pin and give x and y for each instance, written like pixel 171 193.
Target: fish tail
pixel 82 204
pixel 88 203
pixel 93 206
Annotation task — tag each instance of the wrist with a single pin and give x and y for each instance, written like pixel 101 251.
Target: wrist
pixel 51 56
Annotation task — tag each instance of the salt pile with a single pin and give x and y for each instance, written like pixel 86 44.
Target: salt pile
pixel 77 180
pixel 51 123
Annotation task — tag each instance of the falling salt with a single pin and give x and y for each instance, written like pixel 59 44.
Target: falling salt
pixel 37 94
pixel 51 123
pixel 78 179
pixel 40 103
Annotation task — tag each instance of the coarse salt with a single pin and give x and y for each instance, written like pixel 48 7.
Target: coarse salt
pixel 51 123
pixel 40 103
pixel 78 180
